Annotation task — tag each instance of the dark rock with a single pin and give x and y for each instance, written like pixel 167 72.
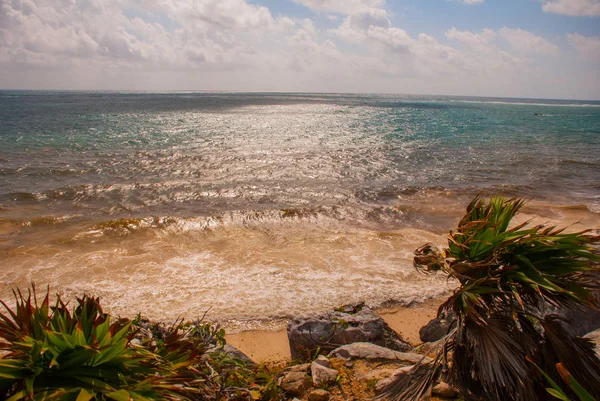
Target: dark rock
pixel 318 395
pixel 436 328
pixel 232 352
pixel 347 325
pixel 237 354
pixel 295 384
pixel 376 352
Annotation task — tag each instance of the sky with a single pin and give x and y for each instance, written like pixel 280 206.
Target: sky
pixel 508 48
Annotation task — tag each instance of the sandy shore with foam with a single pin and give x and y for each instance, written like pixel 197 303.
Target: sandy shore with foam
pixel 264 346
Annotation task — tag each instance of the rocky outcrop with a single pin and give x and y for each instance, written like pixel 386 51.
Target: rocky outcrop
pixel 347 325
pixel 370 351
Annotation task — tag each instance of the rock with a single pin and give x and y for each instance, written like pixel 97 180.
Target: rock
pixel 595 337
pixel 233 352
pixel 396 374
pixel 299 368
pixel 444 390
pixel 323 361
pixel 318 395
pixel 372 351
pixel 322 375
pixel 295 384
pixel 237 354
pixel 349 324
pixel 436 328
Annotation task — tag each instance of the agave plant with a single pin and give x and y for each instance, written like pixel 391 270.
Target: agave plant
pixel 501 334
pixel 52 353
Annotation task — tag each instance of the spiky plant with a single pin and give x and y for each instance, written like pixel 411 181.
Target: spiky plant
pixel 53 353
pixel 500 332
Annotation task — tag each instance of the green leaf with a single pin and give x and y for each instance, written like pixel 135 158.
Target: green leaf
pixel 121 395
pixel 84 395
pixel 557 394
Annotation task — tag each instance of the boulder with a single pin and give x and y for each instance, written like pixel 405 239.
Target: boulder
pixel 375 352
pixel 295 384
pixel 318 395
pixel 349 324
pixel 436 328
pixel 233 352
pixel 237 354
pixel 322 375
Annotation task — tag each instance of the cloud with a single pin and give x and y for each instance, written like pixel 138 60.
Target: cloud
pixel 471 1
pixel 471 39
pixel 238 45
pixel 528 42
pixel 577 8
pixel 340 6
pixel 212 31
pixel 587 46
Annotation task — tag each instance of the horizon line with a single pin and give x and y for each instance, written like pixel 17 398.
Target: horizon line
pixel 289 92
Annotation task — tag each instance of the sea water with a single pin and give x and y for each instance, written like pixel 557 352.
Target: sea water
pixel 257 207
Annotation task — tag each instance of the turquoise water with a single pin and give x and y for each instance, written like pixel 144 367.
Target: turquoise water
pixel 195 198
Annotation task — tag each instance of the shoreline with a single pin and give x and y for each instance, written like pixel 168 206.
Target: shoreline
pixel 272 347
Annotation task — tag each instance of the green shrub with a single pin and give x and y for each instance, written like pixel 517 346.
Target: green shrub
pixel 53 353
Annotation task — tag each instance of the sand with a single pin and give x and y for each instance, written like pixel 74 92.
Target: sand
pixel 272 346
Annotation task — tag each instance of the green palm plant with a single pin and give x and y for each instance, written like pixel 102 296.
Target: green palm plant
pixel 52 353
pixel 501 334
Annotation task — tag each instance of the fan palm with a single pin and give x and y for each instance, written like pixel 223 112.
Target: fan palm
pixel 501 336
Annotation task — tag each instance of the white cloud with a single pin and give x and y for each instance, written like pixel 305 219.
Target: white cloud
pixel 587 46
pixel 341 6
pixel 234 44
pixel 528 42
pixel 578 8
pixel 471 1
pixel 212 31
pixel 471 39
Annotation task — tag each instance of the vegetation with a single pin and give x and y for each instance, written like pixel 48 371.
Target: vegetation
pixel 53 353
pixel 503 344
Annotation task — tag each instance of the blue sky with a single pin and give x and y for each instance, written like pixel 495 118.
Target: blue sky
pixel 516 48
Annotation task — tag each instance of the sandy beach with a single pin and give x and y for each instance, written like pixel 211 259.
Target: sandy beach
pixel 272 346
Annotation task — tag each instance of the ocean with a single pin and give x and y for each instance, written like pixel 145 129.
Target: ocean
pixel 260 206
